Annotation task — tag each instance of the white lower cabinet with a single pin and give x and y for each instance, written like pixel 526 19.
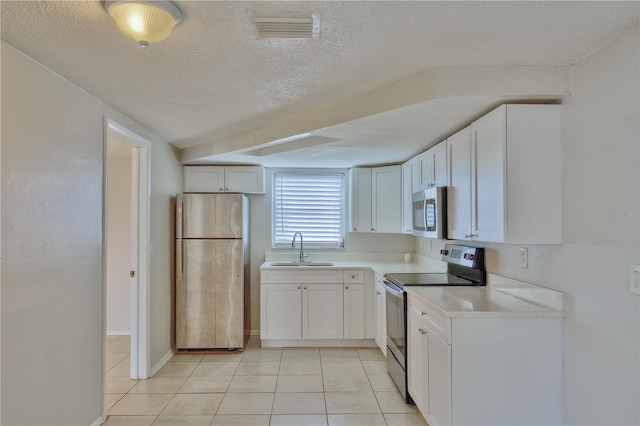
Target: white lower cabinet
pixel 418 363
pixel 322 311
pixel 484 370
pixel 293 306
pixel 281 311
pixel 381 316
pixel 354 311
pixel 439 381
pixel 302 311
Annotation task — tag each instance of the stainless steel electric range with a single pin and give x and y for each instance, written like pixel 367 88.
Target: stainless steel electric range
pixel 465 267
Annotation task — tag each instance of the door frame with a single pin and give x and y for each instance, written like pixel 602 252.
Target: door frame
pixel 140 239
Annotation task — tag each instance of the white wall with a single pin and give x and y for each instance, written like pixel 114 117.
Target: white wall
pixel 118 237
pixel 260 239
pixel 52 158
pixel 601 165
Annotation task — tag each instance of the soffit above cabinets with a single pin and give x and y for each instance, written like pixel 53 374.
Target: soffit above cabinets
pixel 215 85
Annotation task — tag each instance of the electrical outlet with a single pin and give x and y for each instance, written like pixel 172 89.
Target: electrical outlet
pixel 634 285
pixel 524 258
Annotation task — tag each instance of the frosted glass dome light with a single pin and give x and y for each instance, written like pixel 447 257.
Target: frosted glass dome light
pixel 144 21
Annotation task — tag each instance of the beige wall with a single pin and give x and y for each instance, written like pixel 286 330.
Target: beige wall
pixel 52 159
pixel 601 165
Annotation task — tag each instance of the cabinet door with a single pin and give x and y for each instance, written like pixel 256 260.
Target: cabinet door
pixel 322 307
pixel 203 179
pixel 354 311
pixel 488 150
pixel 459 190
pixel 407 204
pixel 386 199
pixel 416 174
pixel 426 169
pixel 439 158
pixel 247 180
pixel 381 317
pixel 360 199
pixel 281 311
pixel 418 362
pixel 439 391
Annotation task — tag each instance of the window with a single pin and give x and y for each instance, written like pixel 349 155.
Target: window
pixel 310 204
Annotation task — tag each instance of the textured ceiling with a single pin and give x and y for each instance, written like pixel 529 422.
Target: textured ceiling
pixel 212 79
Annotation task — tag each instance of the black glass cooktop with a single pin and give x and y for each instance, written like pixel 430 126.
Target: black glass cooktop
pixel 402 279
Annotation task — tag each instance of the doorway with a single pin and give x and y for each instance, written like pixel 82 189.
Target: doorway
pixel 125 243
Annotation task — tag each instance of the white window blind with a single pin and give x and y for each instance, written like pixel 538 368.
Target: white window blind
pixel 310 204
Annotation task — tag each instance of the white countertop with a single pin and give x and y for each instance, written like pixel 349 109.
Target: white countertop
pixel 480 302
pixel 377 267
pixel 502 297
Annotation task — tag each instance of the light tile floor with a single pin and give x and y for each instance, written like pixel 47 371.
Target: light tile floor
pixel 260 386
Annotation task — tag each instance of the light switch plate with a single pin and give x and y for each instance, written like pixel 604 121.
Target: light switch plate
pixel 634 285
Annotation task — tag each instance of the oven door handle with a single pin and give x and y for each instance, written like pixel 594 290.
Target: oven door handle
pixel 392 290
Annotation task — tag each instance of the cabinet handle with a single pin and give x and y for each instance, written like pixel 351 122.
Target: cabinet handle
pixel 220 189
pixel 423 332
pixel 378 293
pixel 298 287
pixel 226 189
pixel 353 277
pixel 355 229
pixel 424 314
pixel 470 235
pixel 346 288
pixel 305 287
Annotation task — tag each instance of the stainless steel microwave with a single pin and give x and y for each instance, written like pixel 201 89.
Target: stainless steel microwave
pixel 430 213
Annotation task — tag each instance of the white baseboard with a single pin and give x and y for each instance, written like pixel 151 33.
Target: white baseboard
pixel 98 421
pixel 118 333
pixel 161 363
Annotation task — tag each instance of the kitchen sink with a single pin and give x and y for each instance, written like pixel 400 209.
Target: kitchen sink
pixel 301 264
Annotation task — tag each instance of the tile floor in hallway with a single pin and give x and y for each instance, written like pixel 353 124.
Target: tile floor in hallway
pixel 260 386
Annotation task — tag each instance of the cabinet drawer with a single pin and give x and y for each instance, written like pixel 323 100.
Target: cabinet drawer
pixel 353 277
pixel 437 323
pixel 331 276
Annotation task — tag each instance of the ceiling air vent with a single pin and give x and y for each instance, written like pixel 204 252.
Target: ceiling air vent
pixel 288 27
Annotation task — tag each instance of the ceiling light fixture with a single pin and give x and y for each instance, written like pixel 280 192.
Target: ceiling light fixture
pixel 144 21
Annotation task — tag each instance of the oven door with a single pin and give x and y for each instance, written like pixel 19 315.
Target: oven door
pixel 396 321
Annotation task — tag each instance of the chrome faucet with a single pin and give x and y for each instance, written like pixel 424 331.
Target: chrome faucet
pixel 293 244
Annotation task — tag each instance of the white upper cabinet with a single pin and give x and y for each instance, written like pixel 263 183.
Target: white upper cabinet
pixel 376 199
pixel 459 190
pixel 407 191
pixel 360 200
pixel 505 177
pixel 433 166
pixel 242 179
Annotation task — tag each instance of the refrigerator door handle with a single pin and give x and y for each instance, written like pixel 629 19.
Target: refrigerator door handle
pixel 180 261
pixel 179 220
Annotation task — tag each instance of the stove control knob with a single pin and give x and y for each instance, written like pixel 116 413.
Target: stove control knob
pixel 469 256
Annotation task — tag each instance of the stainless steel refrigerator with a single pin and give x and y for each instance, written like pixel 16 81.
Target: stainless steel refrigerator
pixel 211 290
